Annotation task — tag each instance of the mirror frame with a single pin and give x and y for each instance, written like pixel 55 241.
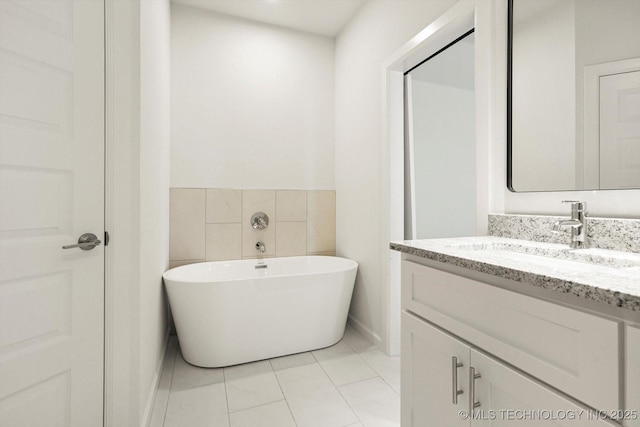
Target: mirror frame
pixel 509 95
pixel 509 166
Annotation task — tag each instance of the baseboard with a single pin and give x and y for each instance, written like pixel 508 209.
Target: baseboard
pixel 368 333
pixel 153 390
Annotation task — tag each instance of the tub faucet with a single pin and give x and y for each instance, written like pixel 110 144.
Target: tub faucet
pixel 578 224
pixel 260 247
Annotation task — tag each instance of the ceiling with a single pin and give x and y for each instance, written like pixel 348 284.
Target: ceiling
pixel 323 17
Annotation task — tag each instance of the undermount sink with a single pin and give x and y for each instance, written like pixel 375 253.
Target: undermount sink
pixel 601 257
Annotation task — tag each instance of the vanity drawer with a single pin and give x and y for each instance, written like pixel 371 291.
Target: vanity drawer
pixel 575 352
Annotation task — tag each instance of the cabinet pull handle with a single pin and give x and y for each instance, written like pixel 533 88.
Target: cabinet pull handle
pixel 454 373
pixel 472 390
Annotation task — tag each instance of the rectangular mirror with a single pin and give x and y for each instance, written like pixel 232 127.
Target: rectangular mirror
pixel 573 117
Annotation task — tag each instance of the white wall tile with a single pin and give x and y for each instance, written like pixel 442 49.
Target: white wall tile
pixel 224 242
pixel 226 230
pixel 173 264
pixel 332 253
pixel 223 206
pixel 291 205
pixel 187 221
pixel 291 238
pixel 321 221
pixel 258 201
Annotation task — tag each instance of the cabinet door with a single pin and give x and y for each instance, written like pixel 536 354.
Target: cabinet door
pixel 509 398
pixel 428 376
pixel 632 380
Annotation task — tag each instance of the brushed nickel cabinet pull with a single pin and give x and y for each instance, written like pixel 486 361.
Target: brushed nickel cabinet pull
pixel 454 373
pixel 473 376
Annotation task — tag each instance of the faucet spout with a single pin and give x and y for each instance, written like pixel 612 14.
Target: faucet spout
pixel 565 223
pixel 577 224
pixel 260 247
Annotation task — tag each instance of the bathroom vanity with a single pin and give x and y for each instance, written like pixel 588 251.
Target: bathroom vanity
pixel 500 331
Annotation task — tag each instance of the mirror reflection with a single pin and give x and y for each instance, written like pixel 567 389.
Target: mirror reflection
pixel 574 89
pixel 440 151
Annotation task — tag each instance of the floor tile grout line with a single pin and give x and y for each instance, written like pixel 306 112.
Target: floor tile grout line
pixel 226 396
pixel 173 368
pixel 379 374
pixel 349 405
pixel 355 382
pixel 196 387
pixel 340 393
pixel 257 406
pixel 365 362
pixel 261 404
pixel 293 417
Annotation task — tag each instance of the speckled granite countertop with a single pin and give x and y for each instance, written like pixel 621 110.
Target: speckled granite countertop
pixel 599 275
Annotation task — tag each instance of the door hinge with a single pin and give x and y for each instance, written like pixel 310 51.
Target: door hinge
pixel 106 238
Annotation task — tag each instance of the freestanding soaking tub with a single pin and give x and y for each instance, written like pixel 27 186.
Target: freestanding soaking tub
pixel 231 312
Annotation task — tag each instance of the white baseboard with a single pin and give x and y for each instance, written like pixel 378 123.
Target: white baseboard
pixel 368 333
pixel 153 390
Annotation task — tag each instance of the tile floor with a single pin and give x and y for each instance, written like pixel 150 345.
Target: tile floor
pixel 347 385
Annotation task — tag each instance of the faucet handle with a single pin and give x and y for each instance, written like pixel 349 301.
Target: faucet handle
pixel 577 205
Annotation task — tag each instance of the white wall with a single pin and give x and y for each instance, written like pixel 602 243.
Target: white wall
pixel 444 158
pixel 252 104
pixel 137 205
pixel 377 31
pixel 155 109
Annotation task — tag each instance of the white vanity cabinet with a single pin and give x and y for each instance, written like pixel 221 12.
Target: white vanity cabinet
pixel 437 366
pixel 535 358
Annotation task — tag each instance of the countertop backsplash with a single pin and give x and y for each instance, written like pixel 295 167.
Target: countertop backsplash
pixel 617 234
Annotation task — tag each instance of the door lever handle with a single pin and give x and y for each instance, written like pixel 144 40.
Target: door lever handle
pixel 86 242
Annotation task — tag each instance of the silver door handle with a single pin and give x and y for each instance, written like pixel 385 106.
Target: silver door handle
pixel 454 377
pixel 86 242
pixel 472 390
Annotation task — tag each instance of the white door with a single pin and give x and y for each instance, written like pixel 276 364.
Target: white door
pixel 51 192
pixel 620 130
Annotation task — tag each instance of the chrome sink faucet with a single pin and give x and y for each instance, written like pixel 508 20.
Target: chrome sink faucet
pixel 578 224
